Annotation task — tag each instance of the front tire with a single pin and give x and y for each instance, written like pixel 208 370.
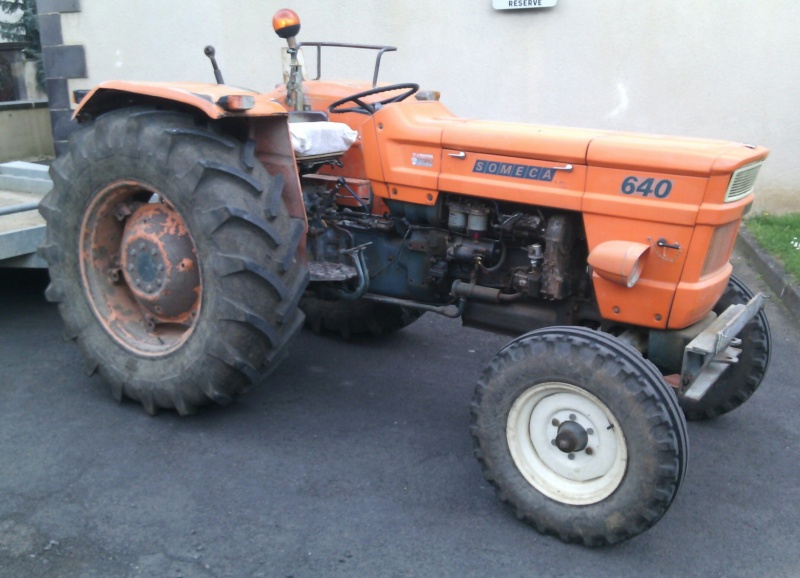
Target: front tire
pixel 579 435
pixel 172 259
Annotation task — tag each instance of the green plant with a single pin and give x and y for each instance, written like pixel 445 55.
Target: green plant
pixel 780 236
pixel 26 30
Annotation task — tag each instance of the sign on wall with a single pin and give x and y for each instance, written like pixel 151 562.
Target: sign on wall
pixel 518 4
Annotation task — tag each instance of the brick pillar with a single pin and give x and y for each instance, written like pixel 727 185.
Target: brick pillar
pixel 61 62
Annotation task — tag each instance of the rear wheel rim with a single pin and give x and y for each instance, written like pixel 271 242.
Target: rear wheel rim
pixel 591 462
pixel 140 269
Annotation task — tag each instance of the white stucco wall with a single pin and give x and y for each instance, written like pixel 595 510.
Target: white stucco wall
pixel 711 69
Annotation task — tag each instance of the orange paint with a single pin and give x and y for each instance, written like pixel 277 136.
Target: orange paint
pixel 627 187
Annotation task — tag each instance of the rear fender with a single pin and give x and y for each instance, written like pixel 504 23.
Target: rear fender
pixel 197 96
pixel 266 122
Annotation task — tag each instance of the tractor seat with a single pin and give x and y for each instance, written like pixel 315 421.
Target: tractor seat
pixel 319 139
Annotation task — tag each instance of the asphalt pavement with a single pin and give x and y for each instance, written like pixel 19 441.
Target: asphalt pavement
pixel 353 459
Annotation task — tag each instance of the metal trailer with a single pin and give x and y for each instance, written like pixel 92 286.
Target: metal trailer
pixel 22 229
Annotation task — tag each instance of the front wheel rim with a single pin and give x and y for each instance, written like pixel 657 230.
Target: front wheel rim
pixel 567 443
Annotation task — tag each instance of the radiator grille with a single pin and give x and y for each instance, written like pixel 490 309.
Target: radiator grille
pixel 720 248
pixel 742 182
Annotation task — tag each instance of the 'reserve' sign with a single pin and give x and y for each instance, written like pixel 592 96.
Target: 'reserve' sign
pixel 518 4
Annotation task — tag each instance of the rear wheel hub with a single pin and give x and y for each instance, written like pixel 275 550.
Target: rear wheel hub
pixel 159 263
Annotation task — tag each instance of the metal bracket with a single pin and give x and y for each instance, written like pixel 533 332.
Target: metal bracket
pixel 360 262
pixel 710 353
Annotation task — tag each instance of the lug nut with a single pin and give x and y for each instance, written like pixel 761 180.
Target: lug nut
pixel 589 451
pixel 555 422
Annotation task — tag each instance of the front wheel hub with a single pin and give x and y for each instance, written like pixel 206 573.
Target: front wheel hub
pixel 159 263
pixel 571 437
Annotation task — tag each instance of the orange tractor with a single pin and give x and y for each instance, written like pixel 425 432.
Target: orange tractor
pixel 193 228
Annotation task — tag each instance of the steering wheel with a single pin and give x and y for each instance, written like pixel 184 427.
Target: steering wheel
pixel 370 108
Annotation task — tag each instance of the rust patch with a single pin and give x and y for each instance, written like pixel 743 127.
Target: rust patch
pixel 158 261
pixel 139 268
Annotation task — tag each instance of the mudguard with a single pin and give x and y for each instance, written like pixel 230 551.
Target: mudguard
pixel 198 95
pixel 268 120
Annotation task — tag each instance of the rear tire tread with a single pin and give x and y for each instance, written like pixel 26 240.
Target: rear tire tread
pixel 255 185
pixel 350 318
pixel 238 312
pixel 219 216
pixel 198 168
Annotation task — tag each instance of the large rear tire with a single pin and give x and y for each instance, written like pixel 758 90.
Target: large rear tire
pixel 740 380
pixel 172 259
pixel 579 435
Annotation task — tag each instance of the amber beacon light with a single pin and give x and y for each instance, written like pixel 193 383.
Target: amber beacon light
pixel 286 23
